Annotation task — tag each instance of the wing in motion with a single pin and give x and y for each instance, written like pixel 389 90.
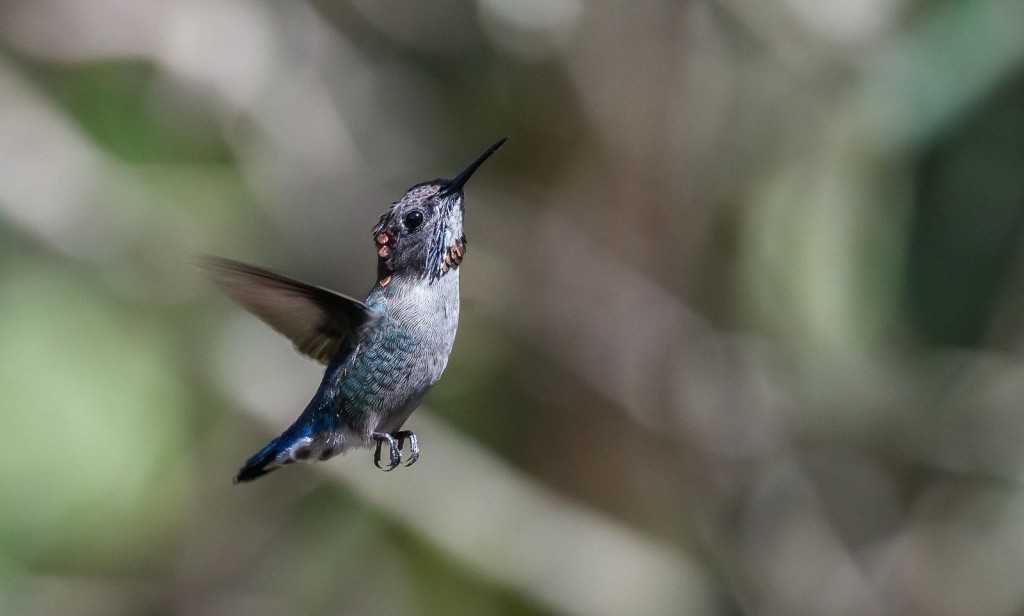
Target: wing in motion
pixel 320 322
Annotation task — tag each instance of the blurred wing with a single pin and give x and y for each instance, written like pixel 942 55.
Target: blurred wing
pixel 320 322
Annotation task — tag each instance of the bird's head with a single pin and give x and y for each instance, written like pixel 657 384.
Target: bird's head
pixel 421 236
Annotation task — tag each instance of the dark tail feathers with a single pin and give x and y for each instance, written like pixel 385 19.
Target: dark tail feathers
pixel 257 466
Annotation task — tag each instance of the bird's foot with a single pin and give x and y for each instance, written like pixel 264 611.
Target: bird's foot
pixel 395 457
pixel 414 445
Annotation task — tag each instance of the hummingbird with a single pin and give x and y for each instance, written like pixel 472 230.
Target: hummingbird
pixel 382 355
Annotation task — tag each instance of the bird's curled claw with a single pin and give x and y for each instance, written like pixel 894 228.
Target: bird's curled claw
pixel 395 457
pixel 414 445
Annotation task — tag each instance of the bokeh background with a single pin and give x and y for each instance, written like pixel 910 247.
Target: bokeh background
pixel 743 310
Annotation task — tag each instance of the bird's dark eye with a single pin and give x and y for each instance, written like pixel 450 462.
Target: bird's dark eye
pixel 413 219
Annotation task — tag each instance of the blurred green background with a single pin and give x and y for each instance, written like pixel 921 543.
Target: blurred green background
pixel 743 311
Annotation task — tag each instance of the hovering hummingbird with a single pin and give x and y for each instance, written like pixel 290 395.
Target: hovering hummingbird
pixel 382 355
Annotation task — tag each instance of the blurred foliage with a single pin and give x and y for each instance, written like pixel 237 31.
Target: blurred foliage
pixel 742 316
pixel 959 265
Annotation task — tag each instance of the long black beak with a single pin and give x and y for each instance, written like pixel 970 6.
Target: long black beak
pixel 455 184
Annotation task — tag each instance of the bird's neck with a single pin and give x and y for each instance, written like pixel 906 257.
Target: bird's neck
pixel 418 299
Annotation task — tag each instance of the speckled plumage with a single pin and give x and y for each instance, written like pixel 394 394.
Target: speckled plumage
pixel 383 355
